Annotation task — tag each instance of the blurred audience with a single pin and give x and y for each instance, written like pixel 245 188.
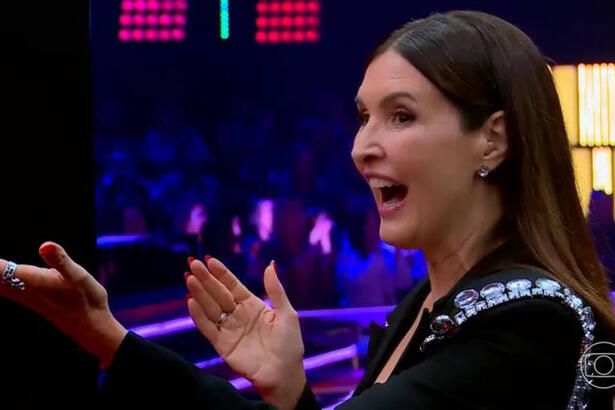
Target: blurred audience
pixel 276 188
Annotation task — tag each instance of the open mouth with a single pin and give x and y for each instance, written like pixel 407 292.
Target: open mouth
pixel 392 195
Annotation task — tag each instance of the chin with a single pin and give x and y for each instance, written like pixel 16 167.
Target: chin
pixel 398 236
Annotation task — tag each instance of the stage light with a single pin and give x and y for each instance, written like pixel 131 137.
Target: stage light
pixel 224 20
pixel 151 35
pixel 152 20
pixel 181 5
pixel 167 5
pixel 124 35
pixel 125 20
pixel 298 36
pixel 287 21
pixel 596 104
pixel 179 20
pixel 287 37
pixel 274 22
pixel 611 100
pixel 582 161
pixel 273 36
pixel 262 22
pixel 127 5
pixel 178 34
pixel 287 7
pixel 602 170
pixel 313 21
pixel 274 7
pixel 604 104
pixel 165 20
pixel 592 109
pixel 300 7
pixel 313 6
pixel 292 21
pixel 164 35
pixel 152 5
pixel 139 5
pixel 565 77
pixel 596 89
pixel 299 21
pixel 260 37
pixel 137 35
pixel 138 20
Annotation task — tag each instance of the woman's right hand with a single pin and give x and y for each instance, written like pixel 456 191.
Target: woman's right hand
pixel 262 344
pixel 70 298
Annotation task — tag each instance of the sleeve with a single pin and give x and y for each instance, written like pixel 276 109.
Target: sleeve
pixel 519 355
pixel 145 374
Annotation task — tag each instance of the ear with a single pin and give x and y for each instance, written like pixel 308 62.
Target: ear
pixel 494 141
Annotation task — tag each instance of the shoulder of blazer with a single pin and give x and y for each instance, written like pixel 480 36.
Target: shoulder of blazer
pixel 468 303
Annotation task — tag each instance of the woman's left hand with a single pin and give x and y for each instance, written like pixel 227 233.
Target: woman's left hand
pixel 70 298
pixel 264 345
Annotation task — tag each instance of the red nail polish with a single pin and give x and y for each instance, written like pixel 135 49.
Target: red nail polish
pixel 190 259
pixel 47 249
pixel 207 258
pixel 186 275
pixel 275 267
pixel 188 297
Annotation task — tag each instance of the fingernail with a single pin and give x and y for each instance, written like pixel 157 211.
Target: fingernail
pixel 186 275
pixel 190 259
pixel 47 249
pixel 207 258
pixel 275 267
pixel 188 297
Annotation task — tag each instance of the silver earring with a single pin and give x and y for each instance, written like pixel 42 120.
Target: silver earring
pixel 483 171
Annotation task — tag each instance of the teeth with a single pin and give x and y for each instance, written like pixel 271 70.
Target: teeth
pixel 380 183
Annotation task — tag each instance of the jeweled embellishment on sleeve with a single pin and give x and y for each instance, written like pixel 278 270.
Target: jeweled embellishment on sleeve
pixel 466 298
pixel 471 302
pixel 518 284
pixel 492 290
pixel 441 324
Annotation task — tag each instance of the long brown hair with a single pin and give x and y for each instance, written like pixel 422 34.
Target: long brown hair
pixel 484 64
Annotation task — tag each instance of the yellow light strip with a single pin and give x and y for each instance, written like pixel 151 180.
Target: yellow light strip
pixel 583 106
pixel 602 170
pixel 604 104
pixel 582 160
pixel 596 104
pixel 566 84
pixel 611 110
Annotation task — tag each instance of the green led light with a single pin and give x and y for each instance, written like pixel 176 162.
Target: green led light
pixel 224 20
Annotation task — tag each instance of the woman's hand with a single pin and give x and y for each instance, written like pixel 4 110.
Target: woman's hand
pixel 264 345
pixel 70 298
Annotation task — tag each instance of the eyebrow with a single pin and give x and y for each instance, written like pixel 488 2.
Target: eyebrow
pixel 387 98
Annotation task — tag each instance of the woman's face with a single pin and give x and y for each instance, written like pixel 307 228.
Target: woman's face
pixel 420 165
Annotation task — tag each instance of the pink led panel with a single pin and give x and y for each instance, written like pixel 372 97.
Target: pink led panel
pixel 287 21
pixel 153 20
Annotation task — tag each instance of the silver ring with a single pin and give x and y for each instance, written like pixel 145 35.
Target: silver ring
pixel 9 279
pixel 221 319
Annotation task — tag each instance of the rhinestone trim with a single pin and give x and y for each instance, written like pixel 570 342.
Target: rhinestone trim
pixel 493 295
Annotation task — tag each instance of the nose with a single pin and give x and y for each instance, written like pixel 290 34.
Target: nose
pixel 365 148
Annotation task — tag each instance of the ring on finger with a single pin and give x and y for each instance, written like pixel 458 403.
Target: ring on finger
pixel 221 319
pixel 9 279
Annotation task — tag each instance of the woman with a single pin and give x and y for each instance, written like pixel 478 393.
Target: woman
pixel 463 145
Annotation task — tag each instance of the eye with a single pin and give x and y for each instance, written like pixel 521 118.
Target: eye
pixel 362 117
pixel 402 117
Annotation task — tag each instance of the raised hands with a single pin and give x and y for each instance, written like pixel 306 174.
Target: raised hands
pixel 70 298
pixel 264 345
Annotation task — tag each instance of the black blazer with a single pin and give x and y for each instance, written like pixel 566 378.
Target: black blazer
pixel 519 353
